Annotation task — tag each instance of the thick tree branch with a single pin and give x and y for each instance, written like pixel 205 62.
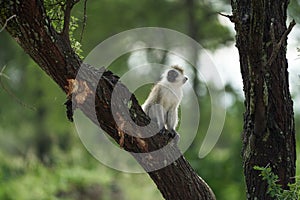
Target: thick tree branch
pixel 53 53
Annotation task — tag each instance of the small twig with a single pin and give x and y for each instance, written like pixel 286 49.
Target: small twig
pixel 84 20
pixel 2 73
pixel 230 17
pixel 5 24
pixel 277 46
pixel 10 92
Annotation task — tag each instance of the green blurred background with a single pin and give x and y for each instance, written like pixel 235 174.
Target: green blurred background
pixel 41 155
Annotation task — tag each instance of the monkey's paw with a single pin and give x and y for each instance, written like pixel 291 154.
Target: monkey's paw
pixel 174 136
pixel 172 133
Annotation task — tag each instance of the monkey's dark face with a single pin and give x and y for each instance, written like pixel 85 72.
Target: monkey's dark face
pixel 174 76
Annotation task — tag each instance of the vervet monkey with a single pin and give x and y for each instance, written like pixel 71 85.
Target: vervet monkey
pixel 164 99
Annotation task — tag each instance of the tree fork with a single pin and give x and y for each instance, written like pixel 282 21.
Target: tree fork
pixel 269 131
pixel 32 29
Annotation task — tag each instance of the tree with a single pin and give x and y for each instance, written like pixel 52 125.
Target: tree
pixel 269 132
pixel 269 123
pixel 28 23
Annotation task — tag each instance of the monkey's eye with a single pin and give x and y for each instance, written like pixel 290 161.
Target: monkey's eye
pixel 172 75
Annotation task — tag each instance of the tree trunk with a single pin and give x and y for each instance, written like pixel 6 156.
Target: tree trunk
pixel 269 133
pixel 31 28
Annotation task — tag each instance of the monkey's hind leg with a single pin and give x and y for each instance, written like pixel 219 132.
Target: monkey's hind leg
pixel 171 134
pixel 156 113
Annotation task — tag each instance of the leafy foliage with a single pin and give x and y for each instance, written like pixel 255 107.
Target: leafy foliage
pixel 274 189
pixel 55 12
pixel 76 45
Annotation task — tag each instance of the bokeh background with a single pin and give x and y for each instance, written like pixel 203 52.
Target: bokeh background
pixel 41 155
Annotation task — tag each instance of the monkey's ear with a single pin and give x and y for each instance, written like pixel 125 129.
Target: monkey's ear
pixel 172 75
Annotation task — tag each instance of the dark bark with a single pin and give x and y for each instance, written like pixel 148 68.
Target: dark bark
pixel 52 52
pixel 269 132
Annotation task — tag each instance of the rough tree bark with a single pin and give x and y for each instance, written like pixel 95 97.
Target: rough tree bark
pixel 52 51
pixel 269 133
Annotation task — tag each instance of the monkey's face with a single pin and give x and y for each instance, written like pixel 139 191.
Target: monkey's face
pixel 175 76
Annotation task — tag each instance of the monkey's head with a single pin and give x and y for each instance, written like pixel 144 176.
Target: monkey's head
pixel 175 76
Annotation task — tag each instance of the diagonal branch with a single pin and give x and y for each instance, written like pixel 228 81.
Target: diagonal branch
pixel 56 57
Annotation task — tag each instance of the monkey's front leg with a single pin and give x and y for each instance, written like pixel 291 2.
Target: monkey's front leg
pixel 156 113
pixel 172 119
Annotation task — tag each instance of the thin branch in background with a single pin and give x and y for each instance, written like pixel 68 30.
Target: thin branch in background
pixel 10 93
pixel 84 20
pixel 5 24
pixel 67 18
